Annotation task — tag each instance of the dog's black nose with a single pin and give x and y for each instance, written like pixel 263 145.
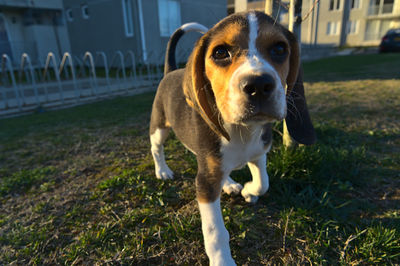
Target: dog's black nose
pixel 257 85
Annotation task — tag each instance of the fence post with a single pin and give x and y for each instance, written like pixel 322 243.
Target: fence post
pixel 88 56
pixel 25 57
pixel 6 62
pixel 51 58
pixel 160 62
pixel 133 68
pixel 121 57
pixel 68 57
pixel 103 55
pixel 147 63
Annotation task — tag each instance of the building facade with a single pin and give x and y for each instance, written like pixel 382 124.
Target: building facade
pixel 336 22
pixel 35 27
pixel 278 9
pixel 349 22
pixel 142 26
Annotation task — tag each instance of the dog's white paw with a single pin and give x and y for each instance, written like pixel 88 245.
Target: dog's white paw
pixel 252 190
pixel 222 260
pixel 164 173
pixel 250 198
pixel 247 195
pixel 231 187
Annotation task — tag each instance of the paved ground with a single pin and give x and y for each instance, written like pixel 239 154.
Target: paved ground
pixel 50 95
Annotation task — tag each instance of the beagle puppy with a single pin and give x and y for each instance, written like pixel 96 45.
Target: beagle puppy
pixel 222 106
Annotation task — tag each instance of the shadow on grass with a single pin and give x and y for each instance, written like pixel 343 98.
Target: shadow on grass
pixel 328 195
pixel 340 163
pixel 112 112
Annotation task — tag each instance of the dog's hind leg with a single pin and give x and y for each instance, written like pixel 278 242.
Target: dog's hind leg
pixel 157 140
pixel 159 130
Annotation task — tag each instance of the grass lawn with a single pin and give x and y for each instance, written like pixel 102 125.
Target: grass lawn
pixel 77 186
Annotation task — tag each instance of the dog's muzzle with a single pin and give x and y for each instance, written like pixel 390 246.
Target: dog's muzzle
pixel 259 90
pixel 257 87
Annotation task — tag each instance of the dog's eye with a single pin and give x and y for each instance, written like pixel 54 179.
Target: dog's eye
pixel 220 53
pixel 279 52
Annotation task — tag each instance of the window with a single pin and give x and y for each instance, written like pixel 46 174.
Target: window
pixel 328 28
pixel 355 4
pixel 331 4
pixel 385 26
pixel 85 11
pixel 334 5
pixel 127 14
pixel 377 7
pixel 58 19
pixel 375 29
pixel 337 4
pixel 38 17
pixel 169 12
pixel 352 27
pixel 332 28
pixel 372 30
pixel 70 16
pixel 387 6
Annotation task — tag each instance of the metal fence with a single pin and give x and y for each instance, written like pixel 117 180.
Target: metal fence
pixel 72 80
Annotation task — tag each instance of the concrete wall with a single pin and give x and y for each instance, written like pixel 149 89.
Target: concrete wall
pixel 53 4
pixel 35 36
pixel 358 14
pixel 320 22
pixel 104 30
pixel 207 13
pixel 240 5
pixel 45 41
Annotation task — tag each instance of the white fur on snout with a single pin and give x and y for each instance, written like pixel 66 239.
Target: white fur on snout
pixel 254 64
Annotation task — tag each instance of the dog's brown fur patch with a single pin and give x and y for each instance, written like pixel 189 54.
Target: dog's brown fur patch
pixel 209 182
pixel 235 35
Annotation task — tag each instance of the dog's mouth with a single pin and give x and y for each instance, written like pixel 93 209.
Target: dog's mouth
pixel 262 112
pixel 259 117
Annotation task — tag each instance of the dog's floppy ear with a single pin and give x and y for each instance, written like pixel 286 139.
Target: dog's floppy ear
pixel 294 61
pixel 197 89
pixel 298 119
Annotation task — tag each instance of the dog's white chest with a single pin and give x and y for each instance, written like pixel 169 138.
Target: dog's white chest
pixel 243 147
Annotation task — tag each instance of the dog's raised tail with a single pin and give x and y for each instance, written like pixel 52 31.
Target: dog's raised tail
pixel 170 63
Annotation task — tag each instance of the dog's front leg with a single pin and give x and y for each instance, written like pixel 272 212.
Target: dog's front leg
pixel 208 190
pixel 260 183
pixel 216 237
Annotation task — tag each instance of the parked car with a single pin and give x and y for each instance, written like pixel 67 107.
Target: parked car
pixel 391 41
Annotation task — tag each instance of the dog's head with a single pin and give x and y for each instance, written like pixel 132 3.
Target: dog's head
pixel 239 70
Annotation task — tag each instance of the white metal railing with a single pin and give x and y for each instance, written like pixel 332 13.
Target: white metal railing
pixel 25 87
